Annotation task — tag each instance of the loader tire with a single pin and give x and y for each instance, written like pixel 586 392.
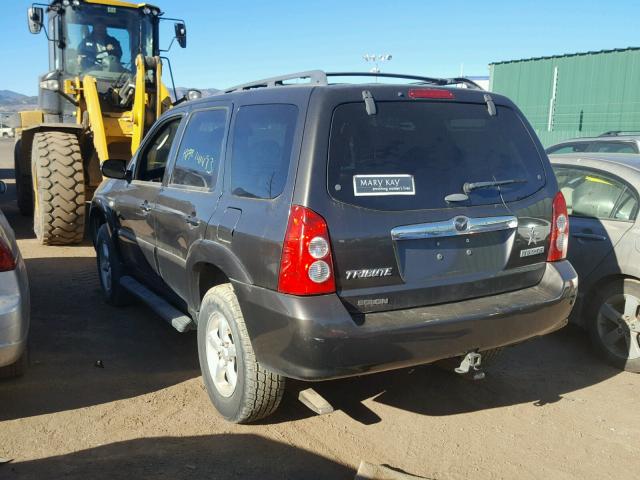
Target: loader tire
pixel 24 184
pixel 58 180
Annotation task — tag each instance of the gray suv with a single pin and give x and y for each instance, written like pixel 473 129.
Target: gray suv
pixel 318 230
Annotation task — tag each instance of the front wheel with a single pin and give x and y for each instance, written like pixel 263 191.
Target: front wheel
pixel 614 328
pixel 240 388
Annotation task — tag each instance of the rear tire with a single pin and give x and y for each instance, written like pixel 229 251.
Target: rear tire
pixel 24 184
pixel 240 388
pixel 15 369
pixel 58 176
pixel 110 270
pixel 614 324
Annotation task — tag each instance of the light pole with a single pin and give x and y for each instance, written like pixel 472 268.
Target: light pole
pixel 376 59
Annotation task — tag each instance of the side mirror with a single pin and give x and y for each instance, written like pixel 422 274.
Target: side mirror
pixel 35 17
pixel 117 169
pixel 3 187
pixel 181 34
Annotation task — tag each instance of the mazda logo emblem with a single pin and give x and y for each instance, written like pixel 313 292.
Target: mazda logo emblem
pixel 461 223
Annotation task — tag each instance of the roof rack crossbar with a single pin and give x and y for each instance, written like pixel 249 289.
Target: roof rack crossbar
pixel 431 80
pixel 437 81
pixel 318 77
pixel 466 81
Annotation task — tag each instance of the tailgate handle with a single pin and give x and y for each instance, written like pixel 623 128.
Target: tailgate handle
pixel 456 226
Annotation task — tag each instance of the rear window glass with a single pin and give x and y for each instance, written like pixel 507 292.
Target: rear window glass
pixel 613 147
pixel 412 155
pixel 568 148
pixel 591 193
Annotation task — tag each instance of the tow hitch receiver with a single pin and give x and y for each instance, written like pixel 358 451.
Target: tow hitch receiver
pixel 471 365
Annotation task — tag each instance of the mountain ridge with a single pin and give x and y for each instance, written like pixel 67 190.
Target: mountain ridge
pixel 11 101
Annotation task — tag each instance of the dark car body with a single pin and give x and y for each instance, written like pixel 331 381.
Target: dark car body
pixel 417 278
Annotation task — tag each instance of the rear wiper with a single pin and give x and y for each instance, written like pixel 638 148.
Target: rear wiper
pixel 468 187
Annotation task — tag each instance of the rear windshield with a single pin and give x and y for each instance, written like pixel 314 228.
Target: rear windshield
pixel 412 155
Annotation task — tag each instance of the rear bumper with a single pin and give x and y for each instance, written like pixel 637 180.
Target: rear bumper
pixel 14 314
pixel 315 338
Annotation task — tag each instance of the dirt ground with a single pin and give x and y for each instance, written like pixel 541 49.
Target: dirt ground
pixel 550 409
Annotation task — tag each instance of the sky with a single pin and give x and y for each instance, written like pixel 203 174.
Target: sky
pixel 236 42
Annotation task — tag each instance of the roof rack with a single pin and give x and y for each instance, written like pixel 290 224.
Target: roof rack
pixel 319 77
pixel 315 77
pixel 614 133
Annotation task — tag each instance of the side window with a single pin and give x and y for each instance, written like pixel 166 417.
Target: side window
pixel 568 148
pixel 200 150
pixel 153 158
pixel 595 194
pixel 614 147
pixel 262 141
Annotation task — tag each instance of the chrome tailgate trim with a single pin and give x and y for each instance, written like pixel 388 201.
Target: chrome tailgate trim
pixel 459 225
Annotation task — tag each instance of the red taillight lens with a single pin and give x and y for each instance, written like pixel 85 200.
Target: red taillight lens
pixel 306 267
pixel 7 260
pixel 559 230
pixel 430 93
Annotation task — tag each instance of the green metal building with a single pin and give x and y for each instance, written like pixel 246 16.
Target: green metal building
pixel 574 95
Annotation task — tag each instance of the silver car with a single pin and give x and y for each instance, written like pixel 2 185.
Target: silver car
pixel 602 195
pixel 609 142
pixel 14 303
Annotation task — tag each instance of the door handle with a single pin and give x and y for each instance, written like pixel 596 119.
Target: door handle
pixel 192 220
pixel 144 206
pixel 589 236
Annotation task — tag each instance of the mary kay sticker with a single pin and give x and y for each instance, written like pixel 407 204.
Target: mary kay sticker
pixel 364 185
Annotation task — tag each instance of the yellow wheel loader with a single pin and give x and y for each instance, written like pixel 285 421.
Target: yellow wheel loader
pixel 102 93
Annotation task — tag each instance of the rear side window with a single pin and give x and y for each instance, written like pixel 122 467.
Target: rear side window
pixel 261 149
pixel 591 193
pixel 412 155
pixel 614 147
pixel 198 159
pixel 568 148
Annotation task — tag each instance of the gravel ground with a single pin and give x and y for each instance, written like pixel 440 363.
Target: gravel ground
pixel 549 409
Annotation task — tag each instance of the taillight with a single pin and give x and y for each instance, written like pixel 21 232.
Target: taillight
pixel 559 230
pixel 430 93
pixel 7 260
pixel 306 267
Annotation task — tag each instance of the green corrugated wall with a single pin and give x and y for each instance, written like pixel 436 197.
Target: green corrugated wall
pixel 595 92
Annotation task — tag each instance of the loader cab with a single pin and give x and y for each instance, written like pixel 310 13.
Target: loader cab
pixel 97 38
pixel 104 41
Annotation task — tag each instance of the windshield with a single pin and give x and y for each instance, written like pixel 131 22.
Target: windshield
pixel 422 152
pixel 104 41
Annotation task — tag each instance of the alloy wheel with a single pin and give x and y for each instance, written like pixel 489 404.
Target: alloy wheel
pixel 221 354
pixel 105 267
pixel 619 326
